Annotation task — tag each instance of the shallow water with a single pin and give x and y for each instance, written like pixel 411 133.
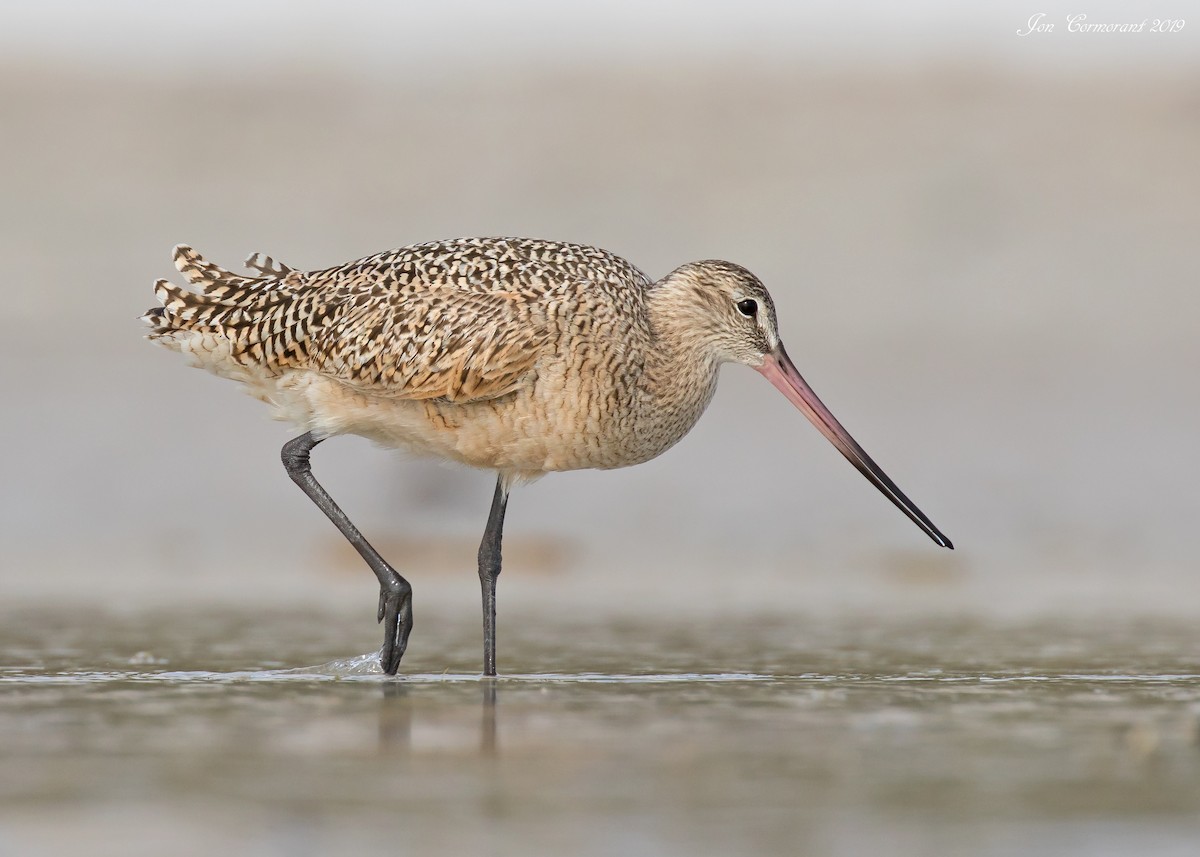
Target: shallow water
pixel 184 733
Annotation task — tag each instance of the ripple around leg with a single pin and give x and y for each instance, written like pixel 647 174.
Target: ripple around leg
pixel 360 665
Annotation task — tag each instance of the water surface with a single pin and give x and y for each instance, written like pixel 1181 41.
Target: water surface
pixel 259 733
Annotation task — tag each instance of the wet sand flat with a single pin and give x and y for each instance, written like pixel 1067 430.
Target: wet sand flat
pixel 764 734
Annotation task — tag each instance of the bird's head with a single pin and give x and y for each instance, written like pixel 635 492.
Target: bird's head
pixel 724 311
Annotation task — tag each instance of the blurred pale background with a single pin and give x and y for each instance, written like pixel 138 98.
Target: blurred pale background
pixel 983 247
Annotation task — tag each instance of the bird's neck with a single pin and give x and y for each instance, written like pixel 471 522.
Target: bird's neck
pixel 681 370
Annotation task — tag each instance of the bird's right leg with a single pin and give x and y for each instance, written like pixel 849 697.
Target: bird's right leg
pixel 489 570
pixel 395 593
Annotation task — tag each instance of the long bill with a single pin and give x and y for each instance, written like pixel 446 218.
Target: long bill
pixel 779 370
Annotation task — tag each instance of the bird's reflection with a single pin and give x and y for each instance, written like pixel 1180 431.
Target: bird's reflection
pixel 396 717
pixel 487 724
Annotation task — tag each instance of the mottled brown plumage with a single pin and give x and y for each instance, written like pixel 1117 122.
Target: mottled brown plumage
pixel 516 355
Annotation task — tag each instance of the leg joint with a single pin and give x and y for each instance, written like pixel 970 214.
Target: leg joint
pixel 396 586
pixel 295 453
pixel 489 560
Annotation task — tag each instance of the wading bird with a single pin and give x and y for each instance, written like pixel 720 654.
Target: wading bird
pixel 509 354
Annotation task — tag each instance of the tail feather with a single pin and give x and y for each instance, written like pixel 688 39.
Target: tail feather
pixel 153 317
pixel 201 272
pixel 226 286
pixel 227 300
pixel 267 266
pixel 192 310
pixel 233 318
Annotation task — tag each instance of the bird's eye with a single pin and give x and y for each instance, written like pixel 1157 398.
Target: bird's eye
pixel 747 307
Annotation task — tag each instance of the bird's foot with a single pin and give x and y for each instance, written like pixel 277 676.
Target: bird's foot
pixel 395 612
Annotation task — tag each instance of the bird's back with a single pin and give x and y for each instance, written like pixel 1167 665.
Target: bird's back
pixel 394 322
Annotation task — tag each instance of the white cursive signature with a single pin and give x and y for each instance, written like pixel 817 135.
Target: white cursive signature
pixel 1079 23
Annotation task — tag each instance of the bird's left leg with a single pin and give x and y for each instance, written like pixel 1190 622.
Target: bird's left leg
pixel 489 570
pixel 395 593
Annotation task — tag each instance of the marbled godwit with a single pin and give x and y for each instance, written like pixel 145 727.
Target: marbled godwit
pixel 509 354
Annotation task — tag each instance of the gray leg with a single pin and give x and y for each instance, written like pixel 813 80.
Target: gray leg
pixel 395 593
pixel 489 570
